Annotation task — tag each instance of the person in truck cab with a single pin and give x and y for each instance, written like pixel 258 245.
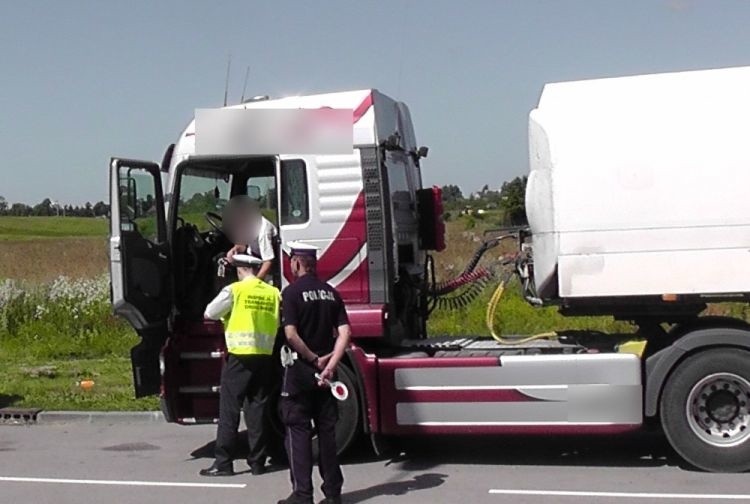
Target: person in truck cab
pixel 251 232
pixel 250 310
pixel 317 330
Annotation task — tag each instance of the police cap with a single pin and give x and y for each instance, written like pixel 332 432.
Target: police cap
pixel 246 260
pixel 302 249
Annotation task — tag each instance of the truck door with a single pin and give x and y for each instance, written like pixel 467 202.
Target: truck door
pixel 140 264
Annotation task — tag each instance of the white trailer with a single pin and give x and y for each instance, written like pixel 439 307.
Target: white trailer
pixel 638 186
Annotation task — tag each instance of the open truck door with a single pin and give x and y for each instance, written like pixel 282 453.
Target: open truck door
pixel 140 265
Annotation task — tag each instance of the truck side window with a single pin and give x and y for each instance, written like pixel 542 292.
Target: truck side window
pixel 262 188
pixel 295 206
pixel 137 203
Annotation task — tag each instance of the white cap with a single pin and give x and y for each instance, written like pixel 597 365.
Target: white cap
pixel 246 260
pixel 301 248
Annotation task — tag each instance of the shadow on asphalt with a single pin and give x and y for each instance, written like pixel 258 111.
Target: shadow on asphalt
pixel 276 452
pixel 641 449
pixel 632 450
pixel 395 488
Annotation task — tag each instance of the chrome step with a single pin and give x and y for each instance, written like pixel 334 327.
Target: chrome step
pixel 193 420
pixel 201 355
pixel 200 389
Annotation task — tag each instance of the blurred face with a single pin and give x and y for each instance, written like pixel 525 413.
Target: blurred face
pixel 241 221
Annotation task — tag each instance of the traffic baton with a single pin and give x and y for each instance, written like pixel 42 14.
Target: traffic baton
pixel 338 389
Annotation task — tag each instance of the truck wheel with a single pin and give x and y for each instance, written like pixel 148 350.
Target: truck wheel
pixel 347 427
pixel 705 410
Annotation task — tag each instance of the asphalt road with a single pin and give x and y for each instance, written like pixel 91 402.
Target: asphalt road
pixel 157 462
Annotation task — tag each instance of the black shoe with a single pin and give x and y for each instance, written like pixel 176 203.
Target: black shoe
pixel 296 499
pixel 331 500
pixel 216 471
pixel 257 468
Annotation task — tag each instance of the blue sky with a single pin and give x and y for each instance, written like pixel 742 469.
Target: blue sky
pixel 83 81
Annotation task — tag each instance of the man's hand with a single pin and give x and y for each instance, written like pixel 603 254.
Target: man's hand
pixel 333 358
pixel 326 374
pixel 322 362
pixel 237 249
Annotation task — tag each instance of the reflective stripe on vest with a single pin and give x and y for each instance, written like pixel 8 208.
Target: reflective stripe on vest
pixel 254 320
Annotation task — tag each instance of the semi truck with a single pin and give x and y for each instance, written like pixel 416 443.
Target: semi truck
pixel 636 210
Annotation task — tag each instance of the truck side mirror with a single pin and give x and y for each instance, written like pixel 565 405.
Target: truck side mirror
pixel 129 199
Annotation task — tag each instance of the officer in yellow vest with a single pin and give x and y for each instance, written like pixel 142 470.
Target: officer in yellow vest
pixel 250 311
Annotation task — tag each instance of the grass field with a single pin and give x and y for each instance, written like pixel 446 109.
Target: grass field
pixel 56 327
pixel 36 228
pixel 44 260
pixel 40 249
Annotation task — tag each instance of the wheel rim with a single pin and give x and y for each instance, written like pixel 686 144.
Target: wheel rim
pixel 718 409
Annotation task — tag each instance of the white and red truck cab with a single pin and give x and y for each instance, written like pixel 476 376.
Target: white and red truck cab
pixel 376 226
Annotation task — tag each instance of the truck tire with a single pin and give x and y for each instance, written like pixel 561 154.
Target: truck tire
pixel 348 425
pixel 705 409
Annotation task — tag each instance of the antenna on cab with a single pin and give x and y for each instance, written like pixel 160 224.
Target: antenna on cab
pixel 226 82
pixel 244 87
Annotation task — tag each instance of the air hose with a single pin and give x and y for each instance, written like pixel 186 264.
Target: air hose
pixel 490 321
pixel 470 276
pixel 474 280
pixel 461 280
pixel 475 283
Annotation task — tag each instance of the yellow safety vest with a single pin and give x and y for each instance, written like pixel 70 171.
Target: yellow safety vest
pixel 254 319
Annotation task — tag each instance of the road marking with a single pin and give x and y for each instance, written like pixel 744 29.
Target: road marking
pixel 627 495
pixel 122 483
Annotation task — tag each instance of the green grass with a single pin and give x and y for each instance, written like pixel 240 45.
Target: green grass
pixel 34 228
pixel 56 388
pixel 514 317
pixel 65 326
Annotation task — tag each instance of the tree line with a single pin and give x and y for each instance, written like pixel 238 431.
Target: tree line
pixel 510 199
pixel 47 207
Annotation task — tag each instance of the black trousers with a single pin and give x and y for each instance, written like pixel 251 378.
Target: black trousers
pixel 245 381
pixel 296 413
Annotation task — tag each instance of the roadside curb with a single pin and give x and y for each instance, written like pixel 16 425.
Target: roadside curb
pixel 99 417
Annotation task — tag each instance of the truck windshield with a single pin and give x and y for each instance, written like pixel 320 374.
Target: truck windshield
pixel 202 191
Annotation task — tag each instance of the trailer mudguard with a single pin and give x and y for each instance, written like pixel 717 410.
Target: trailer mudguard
pixel 365 371
pixel 660 364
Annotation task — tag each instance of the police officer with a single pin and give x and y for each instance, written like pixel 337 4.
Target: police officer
pixel 250 309
pixel 317 330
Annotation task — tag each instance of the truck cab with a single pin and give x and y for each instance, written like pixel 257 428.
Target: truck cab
pixel 360 209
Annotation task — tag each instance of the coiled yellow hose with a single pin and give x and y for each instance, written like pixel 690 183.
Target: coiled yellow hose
pixel 490 321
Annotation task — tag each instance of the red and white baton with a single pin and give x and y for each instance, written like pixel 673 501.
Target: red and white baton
pixel 338 389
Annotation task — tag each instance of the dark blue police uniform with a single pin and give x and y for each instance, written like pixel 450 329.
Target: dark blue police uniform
pixel 316 310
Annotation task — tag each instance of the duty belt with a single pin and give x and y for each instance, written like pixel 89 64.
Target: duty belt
pixel 288 356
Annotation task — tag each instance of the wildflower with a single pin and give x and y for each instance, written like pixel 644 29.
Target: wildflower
pixel 9 292
pixel 40 311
